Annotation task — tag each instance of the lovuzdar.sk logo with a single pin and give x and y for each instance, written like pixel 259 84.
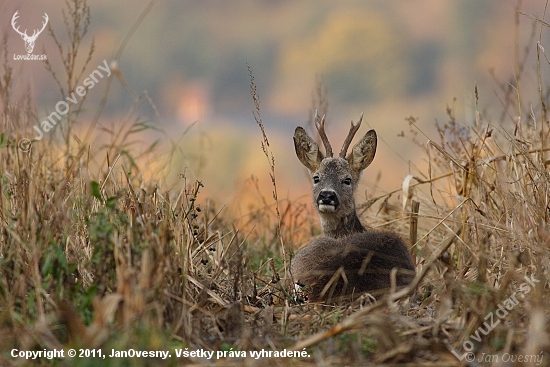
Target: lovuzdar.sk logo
pixel 29 40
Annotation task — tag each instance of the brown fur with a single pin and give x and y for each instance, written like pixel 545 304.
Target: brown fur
pixel 365 258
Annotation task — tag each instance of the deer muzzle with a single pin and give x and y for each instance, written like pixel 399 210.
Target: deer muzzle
pixel 327 201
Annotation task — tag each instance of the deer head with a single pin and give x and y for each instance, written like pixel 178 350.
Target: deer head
pixel 29 40
pixel 335 179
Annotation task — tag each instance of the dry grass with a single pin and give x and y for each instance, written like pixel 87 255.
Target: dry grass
pixel 93 255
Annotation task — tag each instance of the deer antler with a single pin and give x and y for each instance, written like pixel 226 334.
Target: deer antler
pixel 43 24
pixel 16 28
pixel 320 125
pixel 353 129
pixel 24 34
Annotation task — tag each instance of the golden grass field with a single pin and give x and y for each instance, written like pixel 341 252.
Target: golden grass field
pixel 97 255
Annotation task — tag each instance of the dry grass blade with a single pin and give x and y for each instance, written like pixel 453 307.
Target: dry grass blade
pixel 271 160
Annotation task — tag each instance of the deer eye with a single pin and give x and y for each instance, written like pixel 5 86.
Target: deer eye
pixel 315 179
pixel 347 181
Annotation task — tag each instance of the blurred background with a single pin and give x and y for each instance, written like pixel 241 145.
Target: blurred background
pixel 389 59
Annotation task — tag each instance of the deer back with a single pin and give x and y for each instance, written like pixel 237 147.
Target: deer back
pixel 330 269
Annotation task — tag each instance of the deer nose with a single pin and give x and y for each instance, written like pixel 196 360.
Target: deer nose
pixel 327 197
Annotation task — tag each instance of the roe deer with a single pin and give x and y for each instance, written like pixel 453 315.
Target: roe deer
pixel 348 259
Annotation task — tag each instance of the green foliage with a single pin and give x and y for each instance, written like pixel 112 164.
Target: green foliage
pixel 95 191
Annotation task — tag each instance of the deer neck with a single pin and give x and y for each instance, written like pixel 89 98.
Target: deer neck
pixel 337 227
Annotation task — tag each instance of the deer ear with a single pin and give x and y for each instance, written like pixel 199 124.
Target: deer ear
pixel 363 152
pixel 307 149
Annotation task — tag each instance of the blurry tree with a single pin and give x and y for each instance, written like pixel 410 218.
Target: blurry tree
pixel 359 53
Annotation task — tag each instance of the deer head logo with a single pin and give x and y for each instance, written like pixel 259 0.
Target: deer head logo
pixel 29 40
